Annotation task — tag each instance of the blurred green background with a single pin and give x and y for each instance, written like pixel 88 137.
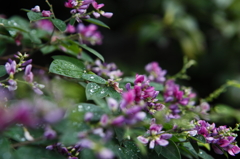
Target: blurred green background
pixel 143 31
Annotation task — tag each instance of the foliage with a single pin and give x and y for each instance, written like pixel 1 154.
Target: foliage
pixel 84 108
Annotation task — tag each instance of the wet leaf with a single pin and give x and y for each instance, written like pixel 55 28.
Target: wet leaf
pixel 67 66
pixel 94 90
pixel 61 25
pixel 171 151
pixel 94 78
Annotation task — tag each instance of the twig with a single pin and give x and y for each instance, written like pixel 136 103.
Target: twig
pixel 26 142
pixel 51 8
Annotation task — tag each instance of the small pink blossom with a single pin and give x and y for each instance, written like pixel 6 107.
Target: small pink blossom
pixel 46 13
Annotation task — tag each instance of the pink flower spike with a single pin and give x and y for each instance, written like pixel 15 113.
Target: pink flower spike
pixel 46 13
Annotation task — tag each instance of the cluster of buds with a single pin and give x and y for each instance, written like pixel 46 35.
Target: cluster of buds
pixel 79 9
pixel 105 70
pixel 71 152
pixel 142 92
pixel 156 74
pixel 155 135
pixel 12 67
pixel 221 138
pixel 45 13
pixel 87 34
pixel 176 98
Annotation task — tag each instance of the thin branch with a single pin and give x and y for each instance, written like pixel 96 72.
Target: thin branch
pixel 26 142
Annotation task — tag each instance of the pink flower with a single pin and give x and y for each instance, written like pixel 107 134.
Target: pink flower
pixel 36 9
pixel 46 13
pixel 107 14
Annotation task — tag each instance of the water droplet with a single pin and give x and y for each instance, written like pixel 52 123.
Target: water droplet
pixel 23 139
pixel 200 152
pixel 92 77
pixel 80 107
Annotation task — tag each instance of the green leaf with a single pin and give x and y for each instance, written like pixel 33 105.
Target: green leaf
pixel 85 57
pixel 194 144
pixel 61 25
pixel 199 138
pixel 2 70
pixel 204 155
pixel 87 107
pixel 131 150
pixel 94 78
pixel 120 134
pixel 5 146
pixel 20 21
pixel 91 51
pixel 39 152
pixel 113 93
pixel 119 152
pixel 2 49
pixel 87 154
pixel 33 16
pixel 33 37
pixel 171 151
pixel 188 148
pixel 158 149
pixel 48 49
pixel 72 21
pixel 71 48
pixel 67 66
pixel 12 24
pixel 94 90
pixel 15 132
pixel 185 152
pixel 157 86
pixel 97 22
pixel 128 80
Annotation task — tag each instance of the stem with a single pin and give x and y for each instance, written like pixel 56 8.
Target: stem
pixel 23 82
pixel 51 8
pixel 26 142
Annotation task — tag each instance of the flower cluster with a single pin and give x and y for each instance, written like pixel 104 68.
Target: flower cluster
pixel 79 9
pixel 142 92
pixel 156 74
pixel 87 34
pixel 106 70
pixel 221 138
pixel 45 13
pixel 155 135
pixel 12 67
